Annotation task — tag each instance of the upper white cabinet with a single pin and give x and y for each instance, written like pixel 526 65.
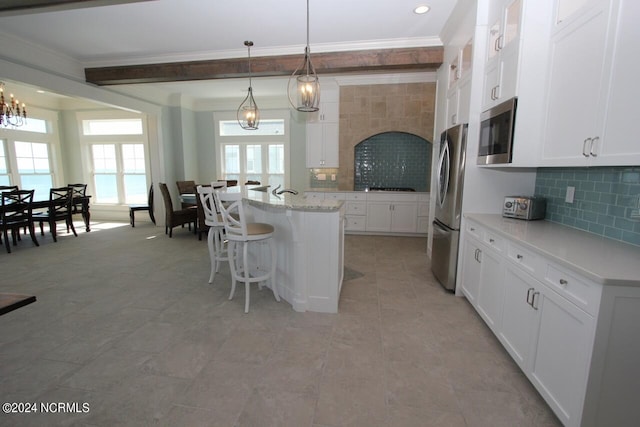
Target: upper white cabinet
pixel 501 72
pixel 323 131
pixel 459 92
pixel 592 89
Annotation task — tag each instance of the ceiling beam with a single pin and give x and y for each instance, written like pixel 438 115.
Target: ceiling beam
pixel 22 7
pixel 402 59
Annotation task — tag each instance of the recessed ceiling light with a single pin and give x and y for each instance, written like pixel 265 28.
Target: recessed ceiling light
pixel 421 9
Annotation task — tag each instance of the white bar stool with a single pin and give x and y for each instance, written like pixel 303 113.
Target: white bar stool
pixel 240 234
pixel 213 219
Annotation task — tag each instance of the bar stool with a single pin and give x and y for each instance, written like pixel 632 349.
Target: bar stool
pixel 240 234
pixel 213 219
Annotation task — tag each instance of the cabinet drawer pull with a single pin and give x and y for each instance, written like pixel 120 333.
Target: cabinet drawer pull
pixel 563 282
pixel 472 229
pixel 529 295
pixel 533 300
pixel 584 147
pixel 594 144
pixel 491 241
pixel 519 256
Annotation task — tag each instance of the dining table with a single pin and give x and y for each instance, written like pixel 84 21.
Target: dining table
pixel 10 302
pixel 82 201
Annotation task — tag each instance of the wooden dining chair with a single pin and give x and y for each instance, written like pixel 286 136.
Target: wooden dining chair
pixel 176 218
pixel 77 191
pixel 17 212
pixel 60 209
pixel 186 187
pixel 138 208
pixel 8 188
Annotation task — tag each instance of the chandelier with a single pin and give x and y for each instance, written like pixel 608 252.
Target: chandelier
pixel 248 114
pixel 303 83
pixel 11 114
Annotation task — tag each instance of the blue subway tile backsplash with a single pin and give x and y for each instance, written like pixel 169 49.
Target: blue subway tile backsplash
pixel 606 200
pixel 393 159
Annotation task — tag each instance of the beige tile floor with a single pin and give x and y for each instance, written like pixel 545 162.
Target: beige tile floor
pixel 126 323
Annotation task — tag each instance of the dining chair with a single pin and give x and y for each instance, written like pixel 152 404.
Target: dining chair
pixel 213 219
pixel 178 217
pixel 77 191
pixel 8 188
pixel 60 209
pixel 240 234
pixel 139 208
pixel 186 187
pixel 17 212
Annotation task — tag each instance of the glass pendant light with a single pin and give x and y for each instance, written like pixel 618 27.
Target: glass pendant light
pixel 304 86
pixel 248 114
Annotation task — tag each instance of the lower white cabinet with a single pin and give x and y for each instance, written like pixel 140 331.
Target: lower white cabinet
pixel 392 217
pixel 574 339
pixel 383 212
pixel 550 339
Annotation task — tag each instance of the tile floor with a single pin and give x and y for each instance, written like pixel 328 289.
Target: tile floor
pixel 126 323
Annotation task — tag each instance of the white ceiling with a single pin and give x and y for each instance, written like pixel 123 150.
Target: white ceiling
pixel 179 30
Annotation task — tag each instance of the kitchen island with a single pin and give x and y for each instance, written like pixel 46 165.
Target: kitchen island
pixel 309 236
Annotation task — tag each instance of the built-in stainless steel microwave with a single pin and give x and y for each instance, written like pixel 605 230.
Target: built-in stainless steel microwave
pixel 496 133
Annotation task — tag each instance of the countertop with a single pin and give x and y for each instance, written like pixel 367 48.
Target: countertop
pixel 286 201
pixel 604 261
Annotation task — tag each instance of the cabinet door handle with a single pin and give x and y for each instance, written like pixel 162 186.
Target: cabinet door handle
pixel 493 93
pixel 477 254
pixel 519 256
pixel 563 282
pixel 533 300
pixel 453 119
pixel 497 45
pixel 584 147
pixel 529 295
pixel 472 229
pixel 594 144
pixel 491 240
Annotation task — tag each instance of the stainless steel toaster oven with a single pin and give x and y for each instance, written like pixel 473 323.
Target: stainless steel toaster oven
pixel 524 207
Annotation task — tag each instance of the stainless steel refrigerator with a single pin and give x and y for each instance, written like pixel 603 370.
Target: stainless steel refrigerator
pixel 446 226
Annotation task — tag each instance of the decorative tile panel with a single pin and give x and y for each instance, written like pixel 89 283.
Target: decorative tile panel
pixel 606 200
pixel 393 159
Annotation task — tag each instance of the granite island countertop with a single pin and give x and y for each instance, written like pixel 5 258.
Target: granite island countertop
pixel 603 260
pixel 286 201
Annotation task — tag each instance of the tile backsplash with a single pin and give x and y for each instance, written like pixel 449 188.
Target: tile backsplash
pixel 393 159
pixel 606 201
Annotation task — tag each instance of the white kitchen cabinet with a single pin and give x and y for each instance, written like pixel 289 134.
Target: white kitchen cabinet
pixel 397 217
pixel 550 338
pixel 423 213
pixel 503 37
pixel 356 212
pixel 482 281
pixel 323 131
pixel 518 317
pixel 459 93
pixel 563 336
pixel 575 339
pixel 593 47
pixel 322 145
pixel 471 267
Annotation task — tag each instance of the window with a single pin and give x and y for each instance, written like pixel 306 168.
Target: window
pixel 28 154
pixel 119 167
pixel 34 169
pixel 4 171
pixel 260 155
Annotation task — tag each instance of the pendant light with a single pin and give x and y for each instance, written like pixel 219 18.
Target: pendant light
pixel 304 86
pixel 248 114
